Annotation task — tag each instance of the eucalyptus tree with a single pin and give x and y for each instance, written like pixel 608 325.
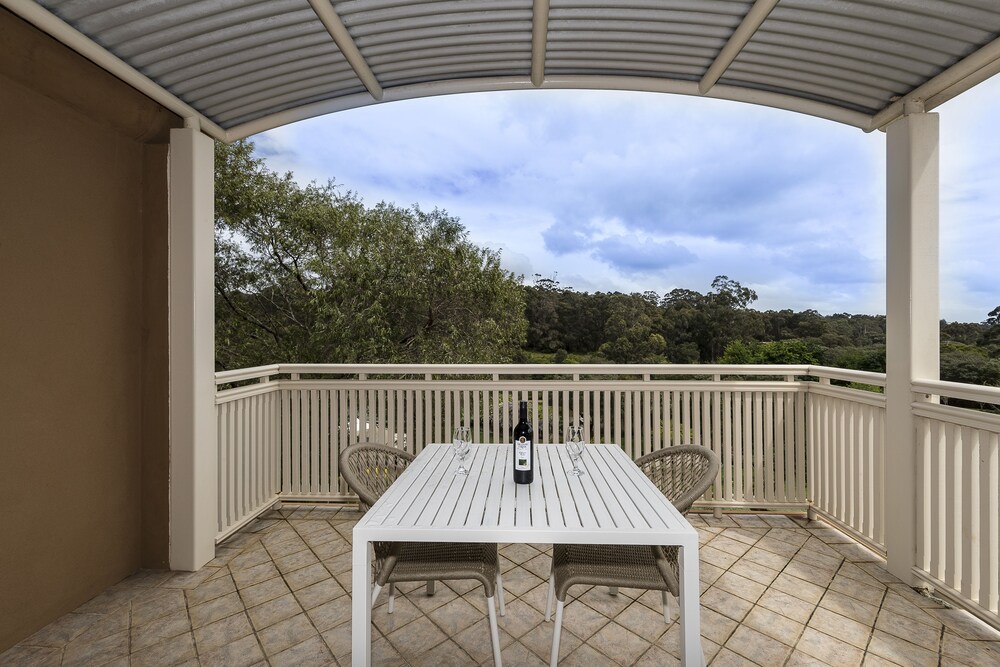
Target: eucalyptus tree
pixel 310 274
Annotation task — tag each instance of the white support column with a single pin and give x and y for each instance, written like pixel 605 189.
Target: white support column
pixel 912 314
pixel 193 456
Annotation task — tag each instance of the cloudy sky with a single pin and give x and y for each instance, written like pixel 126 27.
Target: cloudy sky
pixel 640 191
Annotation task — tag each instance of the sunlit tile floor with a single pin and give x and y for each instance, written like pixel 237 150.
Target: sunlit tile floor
pixel 776 590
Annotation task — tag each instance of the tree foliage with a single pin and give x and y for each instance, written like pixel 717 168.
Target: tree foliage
pixel 720 326
pixel 310 274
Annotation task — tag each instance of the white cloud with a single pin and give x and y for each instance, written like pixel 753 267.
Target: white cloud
pixel 638 191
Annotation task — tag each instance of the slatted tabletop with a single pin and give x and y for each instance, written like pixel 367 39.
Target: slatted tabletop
pixel 612 503
pixel 487 506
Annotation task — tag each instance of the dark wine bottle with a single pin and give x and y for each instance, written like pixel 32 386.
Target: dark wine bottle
pixel 524 447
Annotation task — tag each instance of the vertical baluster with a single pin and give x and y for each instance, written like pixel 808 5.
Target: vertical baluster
pixel 409 419
pixel 546 431
pixel 878 474
pixel 989 523
pixel 868 494
pixel 705 435
pixel 768 445
pixel 951 488
pixel 780 479
pixel 255 497
pixel 758 449
pixel 840 456
pixel 748 462
pixel 625 412
pixel 565 414
pixel 676 417
pixel 861 498
pixel 851 465
pixel 635 396
pixel 477 418
pixel 608 437
pixel 223 437
pixel 420 421
pixel 324 478
pixel 789 445
pixel 726 453
pixel 813 478
pixel 801 474
pixel 937 502
pixel 969 534
pixel 314 441
pixel 238 483
pixel 697 396
pixel 923 482
pixel 739 490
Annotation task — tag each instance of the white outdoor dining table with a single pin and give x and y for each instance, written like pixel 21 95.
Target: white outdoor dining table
pixel 613 503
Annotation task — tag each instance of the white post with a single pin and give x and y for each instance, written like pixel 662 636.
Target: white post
pixel 193 456
pixel 912 314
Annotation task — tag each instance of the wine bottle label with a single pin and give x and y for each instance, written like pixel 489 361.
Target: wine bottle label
pixel 522 454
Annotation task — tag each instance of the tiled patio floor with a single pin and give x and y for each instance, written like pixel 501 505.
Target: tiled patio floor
pixel 776 590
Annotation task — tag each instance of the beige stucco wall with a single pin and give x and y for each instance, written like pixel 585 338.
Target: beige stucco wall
pixel 83 356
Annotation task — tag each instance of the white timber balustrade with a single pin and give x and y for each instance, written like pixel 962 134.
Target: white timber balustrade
pixel 958 487
pixel 846 451
pixel 754 417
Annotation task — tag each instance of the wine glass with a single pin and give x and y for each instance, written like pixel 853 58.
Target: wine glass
pixel 574 443
pixel 460 445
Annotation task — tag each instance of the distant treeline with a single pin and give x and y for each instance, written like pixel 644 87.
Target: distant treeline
pixel 719 326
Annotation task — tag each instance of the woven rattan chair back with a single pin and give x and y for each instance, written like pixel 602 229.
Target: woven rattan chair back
pixel 682 473
pixel 371 468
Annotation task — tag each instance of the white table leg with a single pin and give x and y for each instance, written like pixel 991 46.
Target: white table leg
pixel 361 608
pixel 690 604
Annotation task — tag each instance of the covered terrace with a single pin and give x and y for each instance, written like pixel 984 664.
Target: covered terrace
pixel 123 450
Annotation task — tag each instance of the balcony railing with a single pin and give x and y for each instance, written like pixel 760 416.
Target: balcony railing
pixel 791 438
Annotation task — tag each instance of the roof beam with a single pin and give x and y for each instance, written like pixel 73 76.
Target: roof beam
pixel 539 40
pixel 958 78
pixel 743 34
pixel 558 82
pixel 328 15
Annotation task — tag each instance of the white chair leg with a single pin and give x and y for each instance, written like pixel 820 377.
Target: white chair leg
pixel 500 596
pixel 392 598
pixel 494 632
pixel 554 660
pixel 667 606
pixel 612 590
pixel 430 588
pixel 548 601
pixel 375 591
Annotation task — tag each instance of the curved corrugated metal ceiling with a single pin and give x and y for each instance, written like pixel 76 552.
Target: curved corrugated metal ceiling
pixel 244 66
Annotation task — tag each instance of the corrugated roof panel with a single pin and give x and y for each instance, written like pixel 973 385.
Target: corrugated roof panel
pixel 241 60
pixel 256 88
pixel 917 39
pixel 671 39
pixel 287 90
pixel 299 99
pixel 406 43
pixel 233 72
pixel 225 58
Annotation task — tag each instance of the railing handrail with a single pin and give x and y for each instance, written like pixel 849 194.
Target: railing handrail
pixel 573 370
pixel 961 390
pixel 242 374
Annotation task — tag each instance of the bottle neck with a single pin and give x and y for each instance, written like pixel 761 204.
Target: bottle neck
pixel 522 412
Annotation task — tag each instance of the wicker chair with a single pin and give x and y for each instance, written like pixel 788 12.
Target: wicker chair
pixel 369 469
pixel 682 473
